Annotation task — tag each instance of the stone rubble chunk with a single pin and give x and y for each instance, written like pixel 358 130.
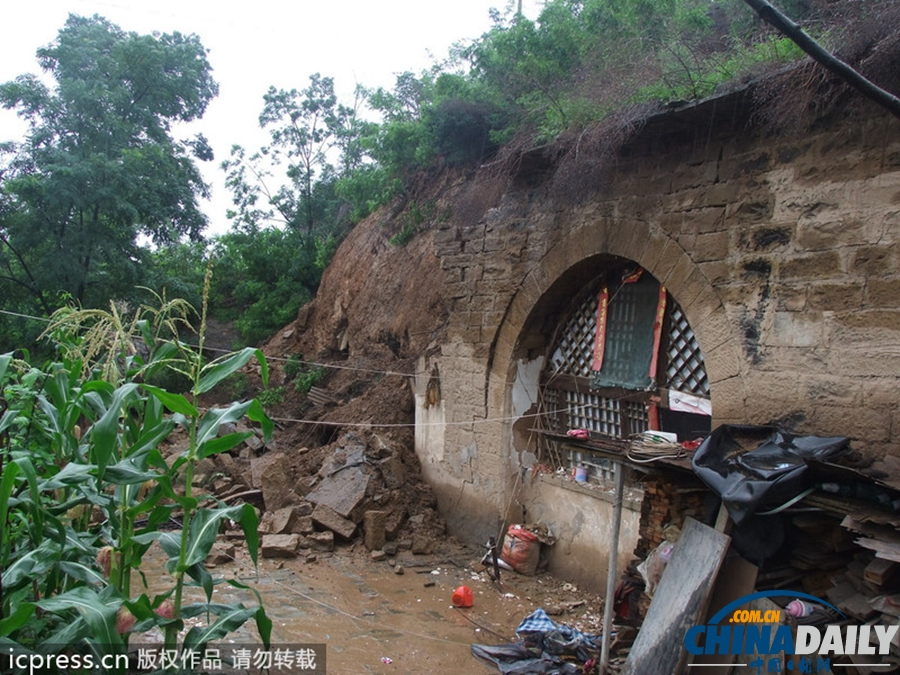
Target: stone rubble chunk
pixel 321 541
pixel 394 522
pixel 305 484
pixel 342 491
pixel 277 484
pixel 373 522
pixel 258 465
pixel 221 553
pixel 328 518
pixel 254 442
pixel 280 545
pixel 393 472
pixel 303 525
pixel 283 521
pixel 422 545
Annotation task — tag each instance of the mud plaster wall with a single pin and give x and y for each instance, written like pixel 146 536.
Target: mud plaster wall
pixel 782 251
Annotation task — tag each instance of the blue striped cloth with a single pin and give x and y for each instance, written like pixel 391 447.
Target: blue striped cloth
pixel 537 622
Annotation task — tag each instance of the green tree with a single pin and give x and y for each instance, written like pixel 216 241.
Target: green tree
pixel 262 277
pixel 100 167
pixel 308 128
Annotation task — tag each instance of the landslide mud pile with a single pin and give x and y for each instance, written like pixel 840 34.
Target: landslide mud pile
pixel 344 446
pixel 362 485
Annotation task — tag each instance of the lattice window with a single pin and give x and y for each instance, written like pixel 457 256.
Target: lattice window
pixel 601 469
pixel 568 400
pixel 574 352
pixel 608 416
pixel 553 418
pixel 685 370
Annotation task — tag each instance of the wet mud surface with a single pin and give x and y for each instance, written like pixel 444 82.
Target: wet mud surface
pixel 365 613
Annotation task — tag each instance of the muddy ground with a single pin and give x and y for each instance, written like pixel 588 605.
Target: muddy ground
pixel 374 620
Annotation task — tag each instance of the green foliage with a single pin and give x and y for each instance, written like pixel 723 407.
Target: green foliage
pixel 269 398
pixel 236 386
pixel 84 487
pixel 412 221
pixel 303 376
pixel 99 167
pixel 325 247
pixel 178 270
pixel 294 366
pixel 367 188
pixel 262 278
pixel 306 381
pixel 306 128
pixel 461 129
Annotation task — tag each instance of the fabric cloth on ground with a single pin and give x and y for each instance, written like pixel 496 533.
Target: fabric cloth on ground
pixel 544 648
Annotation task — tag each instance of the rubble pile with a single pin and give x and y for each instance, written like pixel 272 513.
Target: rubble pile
pixel 830 557
pixel 362 487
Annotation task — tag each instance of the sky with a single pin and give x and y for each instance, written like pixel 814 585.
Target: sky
pixel 257 44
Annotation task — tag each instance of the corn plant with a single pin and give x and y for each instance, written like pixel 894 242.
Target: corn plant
pixel 84 487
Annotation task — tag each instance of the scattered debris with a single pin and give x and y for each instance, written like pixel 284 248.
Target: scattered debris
pixel 361 484
pixel 679 600
pixel 544 647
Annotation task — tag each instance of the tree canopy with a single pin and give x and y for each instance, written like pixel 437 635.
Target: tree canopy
pixel 99 167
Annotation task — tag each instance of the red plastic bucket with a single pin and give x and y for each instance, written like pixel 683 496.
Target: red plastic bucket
pixel 463 597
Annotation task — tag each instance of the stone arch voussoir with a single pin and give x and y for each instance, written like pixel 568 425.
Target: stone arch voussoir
pixel 671 264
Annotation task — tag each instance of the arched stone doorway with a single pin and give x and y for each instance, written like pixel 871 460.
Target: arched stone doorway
pixel 547 338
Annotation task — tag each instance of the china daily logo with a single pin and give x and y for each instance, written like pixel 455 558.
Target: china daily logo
pixel 744 632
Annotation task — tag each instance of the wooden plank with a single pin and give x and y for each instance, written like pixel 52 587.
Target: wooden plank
pixel 883 549
pixel 680 601
pixel 879 571
pixel 737 579
pixel 321 396
pixel 840 593
pixel 857 606
pixel 723 520
pixel 874 530
pixel 887 604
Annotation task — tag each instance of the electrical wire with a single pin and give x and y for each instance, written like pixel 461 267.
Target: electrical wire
pixel 25 316
pixel 372 371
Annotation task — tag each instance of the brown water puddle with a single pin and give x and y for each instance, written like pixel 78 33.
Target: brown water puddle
pixel 363 611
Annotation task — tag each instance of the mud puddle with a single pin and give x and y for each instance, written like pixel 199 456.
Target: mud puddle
pixel 373 620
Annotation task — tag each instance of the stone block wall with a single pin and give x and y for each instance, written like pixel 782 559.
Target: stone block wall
pixel 784 253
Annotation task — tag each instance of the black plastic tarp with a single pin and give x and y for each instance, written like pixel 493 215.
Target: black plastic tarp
pixel 758 467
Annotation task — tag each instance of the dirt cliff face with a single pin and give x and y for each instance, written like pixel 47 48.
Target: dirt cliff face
pixel 381 305
pixel 379 302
